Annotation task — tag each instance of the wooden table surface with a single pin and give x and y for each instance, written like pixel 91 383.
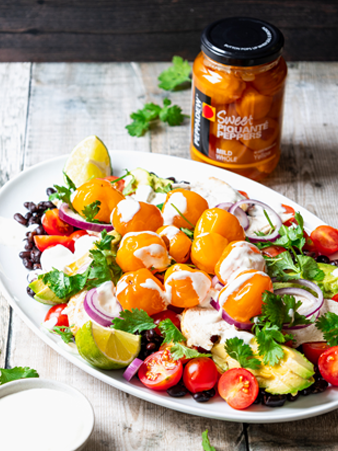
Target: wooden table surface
pixel 46 109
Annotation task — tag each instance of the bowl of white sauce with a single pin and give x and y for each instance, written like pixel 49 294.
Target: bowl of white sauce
pixel 43 415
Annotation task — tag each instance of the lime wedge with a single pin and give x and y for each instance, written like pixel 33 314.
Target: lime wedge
pixel 108 349
pixel 89 159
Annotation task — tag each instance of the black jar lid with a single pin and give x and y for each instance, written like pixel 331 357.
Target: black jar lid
pixel 242 41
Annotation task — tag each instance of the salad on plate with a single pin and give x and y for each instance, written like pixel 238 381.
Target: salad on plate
pixel 191 286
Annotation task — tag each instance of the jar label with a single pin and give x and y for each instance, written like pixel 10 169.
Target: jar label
pixel 201 123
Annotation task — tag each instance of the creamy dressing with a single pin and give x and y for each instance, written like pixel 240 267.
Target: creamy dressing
pixel 242 256
pixel 216 191
pixel 200 283
pixel 154 255
pixel 106 298
pixel 170 232
pixel 234 284
pixel 306 306
pixel 31 421
pixel 127 209
pixel 129 234
pixel 150 284
pixel 169 212
pixel 258 221
pixel 233 332
pixel 143 193
pixel 158 198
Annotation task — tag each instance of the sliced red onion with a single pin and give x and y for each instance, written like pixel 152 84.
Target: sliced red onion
pixel 228 319
pixel 238 212
pixel 94 310
pixel 74 219
pixel 303 326
pixel 216 283
pixel 255 239
pixel 318 301
pixel 132 369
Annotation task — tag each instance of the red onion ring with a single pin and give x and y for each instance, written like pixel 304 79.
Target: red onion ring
pixel 216 283
pixel 238 212
pixel 303 326
pixel 132 369
pixel 228 319
pixel 94 310
pixel 255 239
pixel 74 219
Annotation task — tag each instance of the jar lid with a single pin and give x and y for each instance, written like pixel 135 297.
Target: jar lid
pixel 242 41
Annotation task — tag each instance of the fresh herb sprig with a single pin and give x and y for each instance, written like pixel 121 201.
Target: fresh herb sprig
pixel 242 352
pixel 143 118
pixel 170 332
pixel 328 324
pixel 176 75
pixel 180 351
pixel 91 210
pixel 64 193
pixel 206 442
pixel 133 321
pixel 65 333
pixel 16 373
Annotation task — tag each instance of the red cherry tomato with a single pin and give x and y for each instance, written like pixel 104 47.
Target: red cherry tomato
pixel 159 371
pixel 238 387
pixel 118 185
pixel 325 238
pixel 273 251
pixel 309 245
pixel 43 242
pixel 314 350
pixel 78 234
pixel 335 298
pixel 56 312
pixel 158 317
pixel 53 225
pixel 328 365
pixel 289 210
pixel 200 374
pixel 243 194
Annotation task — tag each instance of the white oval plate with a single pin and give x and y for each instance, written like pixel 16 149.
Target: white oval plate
pixel 31 186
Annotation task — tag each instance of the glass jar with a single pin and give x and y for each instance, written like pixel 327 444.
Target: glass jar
pixel 238 93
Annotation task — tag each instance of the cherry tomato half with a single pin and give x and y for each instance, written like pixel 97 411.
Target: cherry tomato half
pixel 328 365
pixel 325 238
pixel 309 245
pixel 56 312
pixel 158 317
pixel 160 371
pixel 53 225
pixel 314 350
pixel 289 210
pixel 78 234
pixel 273 251
pixel 43 242
pixel 118 185
pixel 335 298
pixel 200 374
pixel 238 387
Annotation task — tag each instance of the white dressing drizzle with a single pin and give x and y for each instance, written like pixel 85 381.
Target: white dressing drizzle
pixel 200 282
pixel 169 211
pixel 170 232
pixel 127 208
pixel 154 255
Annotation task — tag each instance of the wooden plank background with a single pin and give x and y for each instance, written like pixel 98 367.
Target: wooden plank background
pixel 45 109
pixel 153 30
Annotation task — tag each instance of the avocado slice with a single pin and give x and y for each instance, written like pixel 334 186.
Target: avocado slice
pixel 44 294
pixel 293 373
pixel 158 184
pixel 142 177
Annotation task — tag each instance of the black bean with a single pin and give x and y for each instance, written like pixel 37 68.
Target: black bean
pixel 202 350
pixel 177 391
pixel 36 266
pixel 35 255
pixel 319 386
pixel 28 215
pixel 274 400
pixel 292 398
pixel 175 309
pixel 31 235
pixel 27 263
pixel 34 220
pixel 50 205
pixel 201 396
pixel 26 204
pixel 214 338
pixel 151 346
pixel 259 398
pixel 334 263
pixel 150 334
pixel 30 292
pixel 24 254
pixel 20 219
pixel 40 230
pixel 310 254
pixel 172 179
pixel 211 392
pixel 323 259
pixel 31 207
pixel 50 191
pixel 306 391
pixel 28 246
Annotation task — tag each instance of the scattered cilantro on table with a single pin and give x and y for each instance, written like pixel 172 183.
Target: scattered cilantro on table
pixel 238 350
pixel 91 210
pixel 16 373
pixel 206 442
pixel 133 321
pixel 65 333
pixel 328 324
pixel 142 119
pixel 175 75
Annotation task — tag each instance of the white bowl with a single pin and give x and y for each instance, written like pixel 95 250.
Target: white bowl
pixel 33 383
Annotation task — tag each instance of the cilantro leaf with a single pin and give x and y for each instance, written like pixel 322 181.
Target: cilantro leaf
pixel 64 193
pixel 328 324
pixel 238 350
pixel 62 285
pixel 133 321
pixel 105 242
pixel 91 210
pixel 175 75
pixel 102 269
pixel 16 373
pixel 309 268
pixel 188 232
pixel 206 443
pixel 171 114
pixel 69 181
pixel 170 332
pixel 160 206
pixel 268 340
pixel 179 351
pixel 65 333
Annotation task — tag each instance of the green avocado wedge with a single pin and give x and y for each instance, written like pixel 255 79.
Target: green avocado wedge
pixel 44 294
